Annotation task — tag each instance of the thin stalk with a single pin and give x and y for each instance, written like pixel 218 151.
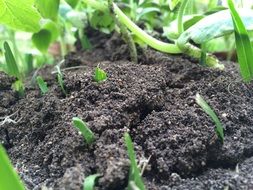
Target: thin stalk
pixel 180 25
pixel 149 40
pixel 125 34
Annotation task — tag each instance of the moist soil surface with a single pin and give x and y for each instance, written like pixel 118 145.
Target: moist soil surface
pixel 154 101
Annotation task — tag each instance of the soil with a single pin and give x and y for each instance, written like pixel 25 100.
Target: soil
pixel 154 101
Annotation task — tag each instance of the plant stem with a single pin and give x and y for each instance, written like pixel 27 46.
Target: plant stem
pixel 149 40
pixel 180 25
pixel 125 34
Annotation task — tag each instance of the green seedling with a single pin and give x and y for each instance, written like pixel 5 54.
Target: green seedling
pixel 8 177
pixel 134 174
pixel 88 136
pixel 243 45
pixel 60 79
pixel 203 104
pixel 89 182
pixel 42 84
pixel 99 75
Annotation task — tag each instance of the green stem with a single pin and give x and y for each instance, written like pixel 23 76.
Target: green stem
pixel 149 40
pixel 180 25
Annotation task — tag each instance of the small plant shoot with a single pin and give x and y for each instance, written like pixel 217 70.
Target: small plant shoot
pixel 100 75
pixel 203 104
pixel 8 176
pixel 243 45
pixel 88 135
pixel 42 84
pixel 60 80
pixel 134 174
pixel 90 181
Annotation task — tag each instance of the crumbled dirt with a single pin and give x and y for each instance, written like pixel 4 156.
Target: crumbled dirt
pixel 155 102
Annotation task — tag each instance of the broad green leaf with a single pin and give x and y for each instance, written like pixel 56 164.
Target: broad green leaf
pixel 134 173
pixel 12 67
pixel 203 104
pixel 42 40
pixel 243 45
pixel 84 129
pixel 89 182
pixel 8 176
pixel 48 8
pixel 215 25
pixel 42 84
pixel 100 75
pixel 72 3
pixel 19 15
pixel 52 28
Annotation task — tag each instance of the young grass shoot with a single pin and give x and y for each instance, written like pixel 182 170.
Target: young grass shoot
pixel 100 75
pixel 42 84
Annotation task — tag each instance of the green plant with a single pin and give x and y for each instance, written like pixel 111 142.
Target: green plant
pixel 243 45
pixel 99 75
pixel 135 179
pixel 60 79
pixel 88 136
pixel 89 182
pixel 203 104
pixel 8 177
pixel 42 84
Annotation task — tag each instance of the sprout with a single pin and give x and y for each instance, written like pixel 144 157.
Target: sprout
pixel 42 84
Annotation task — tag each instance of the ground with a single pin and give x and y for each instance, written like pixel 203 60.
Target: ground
pixel 154 101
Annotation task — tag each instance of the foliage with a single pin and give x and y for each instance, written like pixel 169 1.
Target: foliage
pixel 100 75
pixel 243 44
pixel 134 174
pixel 88 136
pixel 60 80
pixel 203 104
pixel 89 182
pixel 42 84
pixel 8 177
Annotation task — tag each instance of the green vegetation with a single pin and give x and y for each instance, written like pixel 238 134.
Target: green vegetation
pixel 60 80
pixel 88 136
pixel 8 177
pixel 204 105
pixel 243 44
pixel 99 75
pixel 42 84
pixel 134 179
pixel 89 182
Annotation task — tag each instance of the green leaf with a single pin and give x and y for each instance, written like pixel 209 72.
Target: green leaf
pixel 12 67
pixel 100 75
pixel 51 27
pixel 8 177
pixel 48 8
pixel 60 80
pixel 84 129
pixel 212 26
pixel 203 104
pixel 42 40
pixel 42 84
pixel 243 45
pixel 89 182
pixel 173 4
pixel 19 87
pixel 72 3
pixel 77 19
pixel 19 15
pixel 134 174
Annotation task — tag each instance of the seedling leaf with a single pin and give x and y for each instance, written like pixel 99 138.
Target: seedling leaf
pixel 243 45
pixel 60 80
pixel 48 8
pixel 20 15
pixel 84 129
pixel 12 67
pixel 203 104
pixel 19 87
pixel 8 177
pixel 100 75
pixel 89 182
pixel 134 174
pixel 42 40
pixel 42 84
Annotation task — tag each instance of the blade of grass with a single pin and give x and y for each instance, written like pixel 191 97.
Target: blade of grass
pixel 12 67
pixel 134 174
pixel 203 104
pixel 84 129
pixel 243 45
pixel 8 177
pixel 89 182
pixel 42 84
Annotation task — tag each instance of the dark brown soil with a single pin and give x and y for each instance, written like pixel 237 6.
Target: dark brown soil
pixel 154 102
